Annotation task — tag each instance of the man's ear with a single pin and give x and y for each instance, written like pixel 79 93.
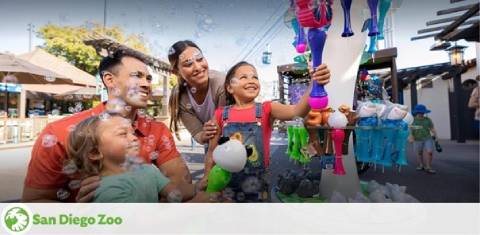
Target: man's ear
pixel 108 80
pixel 95 155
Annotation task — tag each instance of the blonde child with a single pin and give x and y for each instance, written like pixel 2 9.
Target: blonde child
pixel 251 123
pixel 105 145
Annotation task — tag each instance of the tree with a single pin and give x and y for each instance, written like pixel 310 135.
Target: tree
pixel 67 42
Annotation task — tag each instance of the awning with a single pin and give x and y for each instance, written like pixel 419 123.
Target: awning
pixel 51 89
pixel 43 59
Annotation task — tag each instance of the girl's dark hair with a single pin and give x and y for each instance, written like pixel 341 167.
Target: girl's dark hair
pixel 228 78
pixel 174 102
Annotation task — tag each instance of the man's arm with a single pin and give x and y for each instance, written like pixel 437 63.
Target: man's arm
pixel 39 195
pixel 176 170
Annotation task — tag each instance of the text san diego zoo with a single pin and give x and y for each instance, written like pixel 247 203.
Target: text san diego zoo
pixel 82 221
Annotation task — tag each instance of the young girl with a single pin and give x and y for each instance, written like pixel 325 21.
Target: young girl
pixel 104 145
pixel 251 123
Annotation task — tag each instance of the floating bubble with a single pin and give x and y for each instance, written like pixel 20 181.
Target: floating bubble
pixel 55 112
pixel 251 185
pixel 10 78
pixel 234 81
pixel 193 90
pixel 188 106
pixel 49 141
pixel 69 168
pixel 151 139
pixel 71 128
pixel 69 97
pixel 104 116
pixel 128 108
pixel 141 112
pixel 71 109
pixel 50 78
pixel 63 194
pixel 116 91
pixel 148 148
pixel 153 155
pixel 74 184
pixel 115 105
pixel 228 193
pixel 171 51
pixel 240 196
pixel 174 196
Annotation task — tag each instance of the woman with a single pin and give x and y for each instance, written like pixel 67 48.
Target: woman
pixel 199 91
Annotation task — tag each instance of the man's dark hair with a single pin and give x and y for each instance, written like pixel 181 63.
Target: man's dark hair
pixel 109 63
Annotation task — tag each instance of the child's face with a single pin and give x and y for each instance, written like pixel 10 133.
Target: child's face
pixel 244 86
pixel 117 140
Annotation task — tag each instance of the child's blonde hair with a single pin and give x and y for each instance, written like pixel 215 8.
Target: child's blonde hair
pixel 82 142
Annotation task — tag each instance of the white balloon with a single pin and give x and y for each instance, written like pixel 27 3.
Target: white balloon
pixel 396 113
pixel 337 120
pixel 367 110
pixel 380 109
pixel 230 156
pixel 408 118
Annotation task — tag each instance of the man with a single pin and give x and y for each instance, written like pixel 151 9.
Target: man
pixel 128 82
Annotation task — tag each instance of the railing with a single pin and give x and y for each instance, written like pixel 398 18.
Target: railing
pixel 17 130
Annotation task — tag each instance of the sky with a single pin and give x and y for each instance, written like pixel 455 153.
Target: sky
pixel 225 30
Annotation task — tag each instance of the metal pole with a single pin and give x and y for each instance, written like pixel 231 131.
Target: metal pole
pixel 104 15
pixel 30 29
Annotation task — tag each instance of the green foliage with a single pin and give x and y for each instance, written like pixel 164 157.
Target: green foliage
pixel 67 42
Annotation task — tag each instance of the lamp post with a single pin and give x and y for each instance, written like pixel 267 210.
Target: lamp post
pixel 455 54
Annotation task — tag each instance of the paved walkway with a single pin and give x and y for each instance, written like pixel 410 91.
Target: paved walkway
pixel 457 178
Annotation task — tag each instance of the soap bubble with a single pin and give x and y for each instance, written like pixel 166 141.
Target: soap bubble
pixel 71 109
pixel 228 193
pixel 69 168
pixel 240 197
pixel 251 185
pixel 55 112
pixel 71 128
pixel 49 141
pixel 74 184
pixel 234 81
pixel 141 112
pixel 104 116
pixel 128 108
pixel 10 78
pixel 193 90
pixel 171 51
pixel 50 78
pixel 116 92
pixel 63 194
pixel 153 155
pixel 174 196
pixel 115 105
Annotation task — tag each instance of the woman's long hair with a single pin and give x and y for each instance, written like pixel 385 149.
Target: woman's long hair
pixel 228 78
pixel 174 102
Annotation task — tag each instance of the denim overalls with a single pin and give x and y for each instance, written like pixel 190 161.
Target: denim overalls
pixel 249 185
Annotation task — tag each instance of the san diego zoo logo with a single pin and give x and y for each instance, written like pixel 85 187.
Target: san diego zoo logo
pixel 16 218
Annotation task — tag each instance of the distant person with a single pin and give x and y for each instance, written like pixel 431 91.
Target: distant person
pixel 474 103
pixel 422 138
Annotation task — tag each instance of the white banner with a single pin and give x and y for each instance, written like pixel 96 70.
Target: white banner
pixel 272 218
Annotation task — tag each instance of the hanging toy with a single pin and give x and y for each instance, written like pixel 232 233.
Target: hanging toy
pixel 338 121
pixel 391 121
pixel 300 42
pixel 401 143
pixel 229 157
pixel 347 26
pixel 383 8
pixel 367 121
pixel 373 45
pixel 373 29
pixel 319 21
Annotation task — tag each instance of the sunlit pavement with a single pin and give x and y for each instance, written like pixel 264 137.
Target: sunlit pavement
pixel 457 178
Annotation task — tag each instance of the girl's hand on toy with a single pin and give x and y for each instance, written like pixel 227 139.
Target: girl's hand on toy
pixel 321 74
pixel 209 131
pixel 201 185
pixel 203 196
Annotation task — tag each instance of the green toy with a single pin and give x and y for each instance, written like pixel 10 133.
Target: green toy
pixel 218 179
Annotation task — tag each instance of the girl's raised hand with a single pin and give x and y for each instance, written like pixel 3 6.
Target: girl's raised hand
pixel 209 131
pixel 321 74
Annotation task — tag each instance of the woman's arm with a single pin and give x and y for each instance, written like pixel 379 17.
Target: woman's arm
pixel 193 125
pixel 211 146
